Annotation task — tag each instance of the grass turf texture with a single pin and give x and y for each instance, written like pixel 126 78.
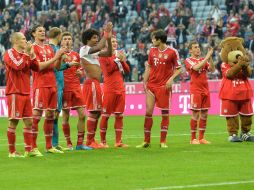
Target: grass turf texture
pixel 181 165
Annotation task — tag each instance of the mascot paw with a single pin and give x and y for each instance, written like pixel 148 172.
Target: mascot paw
pixel 247 137
pixel 234 138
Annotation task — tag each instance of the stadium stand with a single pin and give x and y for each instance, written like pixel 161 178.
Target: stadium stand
pixel 207 21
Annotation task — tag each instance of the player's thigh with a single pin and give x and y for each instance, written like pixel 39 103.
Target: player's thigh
pixel 205 104
pixel 108 100
pixel 150 101
pixel 228 108
pixel 163 98
pixel 119 103
pixel 19 106
pixel 245 107
pixel 195 101
pixel 52 98
pixel 67 96
pixel 77 98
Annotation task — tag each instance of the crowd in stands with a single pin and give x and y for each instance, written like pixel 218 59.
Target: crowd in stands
pixel 133 23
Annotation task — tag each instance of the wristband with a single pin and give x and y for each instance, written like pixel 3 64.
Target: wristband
pixel 105 34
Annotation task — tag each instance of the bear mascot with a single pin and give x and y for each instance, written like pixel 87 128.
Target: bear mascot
pixel 235 91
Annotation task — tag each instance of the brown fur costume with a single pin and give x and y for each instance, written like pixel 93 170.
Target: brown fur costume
pixel 230 48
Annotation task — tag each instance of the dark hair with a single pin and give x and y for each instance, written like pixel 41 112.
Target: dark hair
pixel 160 35
pixel 192 43
pixel 88 34
pixel 34 29
pixel 54 32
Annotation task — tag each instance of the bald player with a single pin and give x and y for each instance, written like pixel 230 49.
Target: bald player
pixel 19 60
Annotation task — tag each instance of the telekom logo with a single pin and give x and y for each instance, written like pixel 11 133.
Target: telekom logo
pixel 184 104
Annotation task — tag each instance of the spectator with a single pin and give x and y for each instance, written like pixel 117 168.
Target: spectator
pixel 122 12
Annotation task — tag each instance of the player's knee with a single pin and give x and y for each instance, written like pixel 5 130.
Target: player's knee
pixel 49 115
pixel 82 116
pixel 28 123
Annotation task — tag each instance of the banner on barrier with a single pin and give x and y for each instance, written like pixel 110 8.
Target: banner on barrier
pixel 135 99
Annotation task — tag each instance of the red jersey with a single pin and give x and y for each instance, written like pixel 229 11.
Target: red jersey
pixel 238 88
pixel 71 79
pixel 198 82
pixel 162 65
pixel 18 67
pixel 113 78
pixel 46 77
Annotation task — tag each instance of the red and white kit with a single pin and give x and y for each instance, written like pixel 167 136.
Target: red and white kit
pixel 44 82
pixel 91 89
pixel 162 66
pixel 72 96
pixel 199 90
pixel 18 67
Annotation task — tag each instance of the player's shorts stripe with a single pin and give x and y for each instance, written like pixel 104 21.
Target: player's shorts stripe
pixel 94 96
pixel 36 98
pixel 13 104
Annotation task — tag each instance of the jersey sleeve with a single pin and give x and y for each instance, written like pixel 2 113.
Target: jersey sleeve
pixel 34 65
pixel 84 51
pixel 108 66
pixel 12 62
pixel 150 62
pixel 188 64
pixel 126 67
pixel 224 69
pixel 176 57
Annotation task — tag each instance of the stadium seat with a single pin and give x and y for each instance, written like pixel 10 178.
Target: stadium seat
pixel 194 3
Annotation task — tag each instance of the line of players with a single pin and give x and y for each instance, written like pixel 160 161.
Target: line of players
pixel 56 71
pixel 56 74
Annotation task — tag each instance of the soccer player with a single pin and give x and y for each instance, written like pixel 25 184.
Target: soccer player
pixel 44 88
pixel 19 60
pixel 72 95
pixel 199 91
pixel 163 67
pixel 113 69
pixel 91 90
pixel 55 35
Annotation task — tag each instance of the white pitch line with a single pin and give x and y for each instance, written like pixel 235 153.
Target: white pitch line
pixel 110 137
pixel 199 185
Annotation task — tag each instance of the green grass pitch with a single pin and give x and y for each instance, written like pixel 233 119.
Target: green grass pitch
pixel 220 165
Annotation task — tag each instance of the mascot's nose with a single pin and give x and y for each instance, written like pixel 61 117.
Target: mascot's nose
pixel 237 56
pixel 234 55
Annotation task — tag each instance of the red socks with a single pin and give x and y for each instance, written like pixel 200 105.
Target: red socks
pixel 67 133
pixel 147 128
pixel 104 127
pixel 164 128
pixel 36 120
pixel 28 138
pixel 11 135
pixel 202 128
pixel 119 128
pixel 91 126
pixel 48 132
pixel 193 127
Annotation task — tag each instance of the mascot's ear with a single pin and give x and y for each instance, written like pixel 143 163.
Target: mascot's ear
pixel 241 40
pixel 222 44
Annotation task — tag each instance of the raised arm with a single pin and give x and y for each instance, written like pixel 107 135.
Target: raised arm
pixel 203 62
